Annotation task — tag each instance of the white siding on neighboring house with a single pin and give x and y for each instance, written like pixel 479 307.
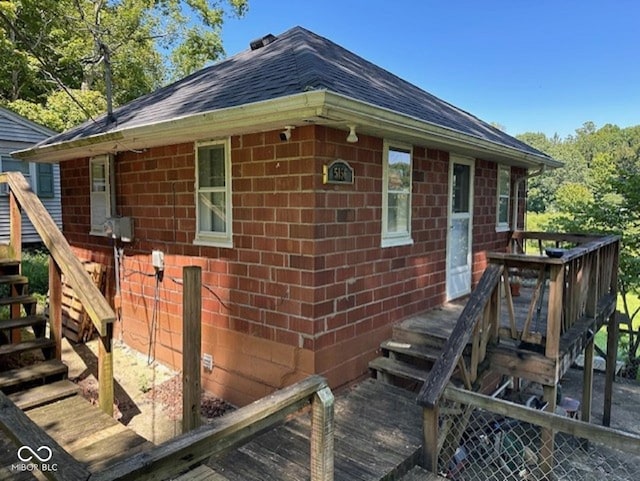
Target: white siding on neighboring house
pixel 18 133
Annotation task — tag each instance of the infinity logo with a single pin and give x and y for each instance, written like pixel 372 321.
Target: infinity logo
pixel 30 454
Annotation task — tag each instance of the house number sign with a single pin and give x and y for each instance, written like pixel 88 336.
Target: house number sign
pixel 337 172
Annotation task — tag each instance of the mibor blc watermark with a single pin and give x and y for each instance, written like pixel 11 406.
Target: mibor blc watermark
pixel 32 460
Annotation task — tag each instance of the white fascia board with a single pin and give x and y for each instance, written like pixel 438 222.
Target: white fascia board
pixel 297 109
pixel 388 122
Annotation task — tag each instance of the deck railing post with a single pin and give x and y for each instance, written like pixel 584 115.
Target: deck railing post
pixel 612 338
pixel 431 433
pixel 55 305
pixel 15 227
pixel 191 346
pixel 322 429
pixel 105 371
pixel 15 251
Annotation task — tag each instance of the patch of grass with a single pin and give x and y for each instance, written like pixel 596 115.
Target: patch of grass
pixel 35 265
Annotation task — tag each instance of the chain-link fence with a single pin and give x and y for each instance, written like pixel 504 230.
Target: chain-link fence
pixel 479 445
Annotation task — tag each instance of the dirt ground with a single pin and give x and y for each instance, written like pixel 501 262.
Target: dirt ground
pixel 148 397
pixel 625 409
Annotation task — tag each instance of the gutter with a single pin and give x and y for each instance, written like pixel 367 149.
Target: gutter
pixel 321 107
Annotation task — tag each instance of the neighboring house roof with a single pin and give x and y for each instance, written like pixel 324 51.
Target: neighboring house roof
pixel 296 63
pixel 16 128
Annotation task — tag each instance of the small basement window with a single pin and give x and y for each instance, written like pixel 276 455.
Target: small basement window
pixel 396 195
pixel 504 195
pixel 213 194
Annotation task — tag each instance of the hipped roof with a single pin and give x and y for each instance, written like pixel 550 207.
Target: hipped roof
pixel 295 63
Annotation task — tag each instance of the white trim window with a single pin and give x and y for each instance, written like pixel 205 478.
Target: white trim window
pixel 102 196
pixel 504 197
pixel 213 194
pixel 396 194
pixel 39 176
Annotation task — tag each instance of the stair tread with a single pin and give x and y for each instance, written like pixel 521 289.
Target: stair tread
pixel 25 299
pixel 419 351
pixel 39 343
pixel 20 322
pixel 9 262
pixel 398 368
pixel 13 279
pixel 14 377
pixel 40 395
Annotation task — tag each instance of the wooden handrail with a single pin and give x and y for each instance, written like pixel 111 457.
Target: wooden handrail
pixel 613 438
pixel 443 368
pixel 17 426
pixel 97 307
pixel 66 263
pixel 237 427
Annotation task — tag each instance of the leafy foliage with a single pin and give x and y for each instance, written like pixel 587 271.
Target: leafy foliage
pixel 48 46
pixel 598 190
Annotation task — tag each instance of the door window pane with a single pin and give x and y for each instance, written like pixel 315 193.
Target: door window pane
pixel 461 181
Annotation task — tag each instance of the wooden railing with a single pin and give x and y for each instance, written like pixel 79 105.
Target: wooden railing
pixel 579 281
pixel 581 285
pixel 181 453
pixel 578 435
pixel 477 323
pixel 63 262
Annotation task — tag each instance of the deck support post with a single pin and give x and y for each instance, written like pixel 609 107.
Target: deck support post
pixel 105 371
pixel 55 305
pixel 430 433
pixel 612 338
pixel 191 346
pixel 612 357
pixel 322 429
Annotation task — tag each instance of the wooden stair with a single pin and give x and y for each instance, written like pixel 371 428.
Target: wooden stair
pixel 27 353
pixel 417 342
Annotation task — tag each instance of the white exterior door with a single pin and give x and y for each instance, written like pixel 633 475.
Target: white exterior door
pixel 460 223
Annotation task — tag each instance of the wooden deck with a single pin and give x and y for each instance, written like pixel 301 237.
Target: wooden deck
pixel 90 436
pixel 378 435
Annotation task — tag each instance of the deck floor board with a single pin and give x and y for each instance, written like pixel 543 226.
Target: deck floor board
pixel 89 435
pixel 377 430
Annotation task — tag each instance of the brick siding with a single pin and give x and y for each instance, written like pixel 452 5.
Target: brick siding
pixel 306 287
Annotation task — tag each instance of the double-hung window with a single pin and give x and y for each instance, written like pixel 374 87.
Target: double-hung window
pixel 39 176
pixel 504 194
pixel 213 193
pixel 396 195
pixel 102 193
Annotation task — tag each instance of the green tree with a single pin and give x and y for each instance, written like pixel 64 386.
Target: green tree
pixel 598 191
pixel 120 48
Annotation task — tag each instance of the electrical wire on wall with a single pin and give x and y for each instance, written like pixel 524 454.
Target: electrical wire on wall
pixel 153 328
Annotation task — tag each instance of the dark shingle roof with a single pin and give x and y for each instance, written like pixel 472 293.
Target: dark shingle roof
pixel 296 61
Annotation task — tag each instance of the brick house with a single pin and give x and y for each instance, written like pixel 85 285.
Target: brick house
pixel 324 198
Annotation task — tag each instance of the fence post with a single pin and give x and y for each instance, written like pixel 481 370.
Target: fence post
pixel 322 435
pixel 191 346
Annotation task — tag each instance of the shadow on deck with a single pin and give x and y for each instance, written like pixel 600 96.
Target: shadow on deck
pixel 378 435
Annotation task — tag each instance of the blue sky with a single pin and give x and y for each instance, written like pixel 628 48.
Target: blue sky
pixel 529 65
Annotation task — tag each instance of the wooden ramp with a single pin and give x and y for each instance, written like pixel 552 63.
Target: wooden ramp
pixel 83 430
pixel 378 436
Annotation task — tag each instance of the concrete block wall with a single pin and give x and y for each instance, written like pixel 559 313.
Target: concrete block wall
pixel 306 287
